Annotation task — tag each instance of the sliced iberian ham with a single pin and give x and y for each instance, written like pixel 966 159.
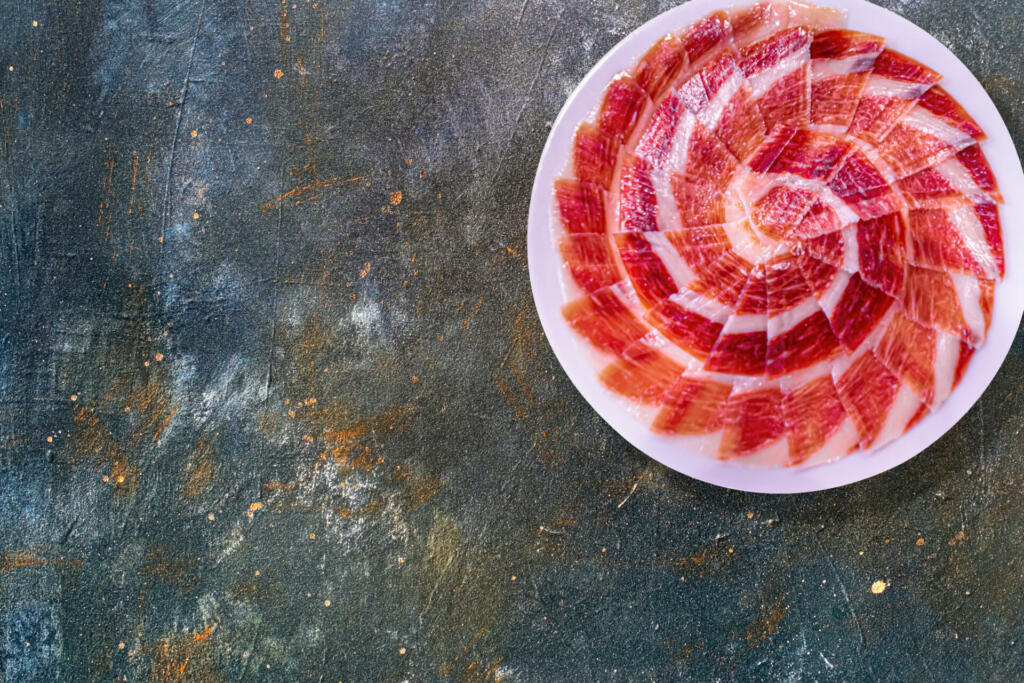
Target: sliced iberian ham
pixel 781 240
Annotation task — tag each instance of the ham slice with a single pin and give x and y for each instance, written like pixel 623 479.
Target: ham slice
pixel 841 62
pixel 894 86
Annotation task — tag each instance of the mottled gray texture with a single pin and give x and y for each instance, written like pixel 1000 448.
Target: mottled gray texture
pixel 171 304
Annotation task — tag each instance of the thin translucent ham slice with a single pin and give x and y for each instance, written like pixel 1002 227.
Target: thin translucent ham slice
pixel 590 261
pixel 646 267
pixel 580 205
pixel 605 320
pixel 816 421
pixel 811 154
pixel 724 278
pixel 841 61
pixel 895 84
pixel 873 399
pixel 967 173
pixel 922 358
pixel 694 405
pixel 689 320
pixel 959 237
pixel 778 69
pixel 721 99
pixel 642 374
pixel 638 201
pixel 742 346
pixel 935 129
pixel 753 421
pixel 706 37
pixel 700 189
pixel 865 187
pixel 799 332
pixel 782 207
pixel 854 308
pixel 623 101
pixel 960 305
pixel 594 155
pixel 882 252
pixel 659 66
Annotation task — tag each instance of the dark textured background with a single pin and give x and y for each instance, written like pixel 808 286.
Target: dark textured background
pixel 275 403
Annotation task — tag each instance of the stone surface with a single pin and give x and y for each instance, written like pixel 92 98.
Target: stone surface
pixel 275 403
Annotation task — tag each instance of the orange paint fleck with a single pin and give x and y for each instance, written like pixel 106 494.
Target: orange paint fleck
pixel 920 541
pixel 278 73
pixel 365 270
pixel 194 133
pixel 396 198
pixel 248 120
pixel 195 216
pixel 74 397
pixel 49 439
pixel 159 357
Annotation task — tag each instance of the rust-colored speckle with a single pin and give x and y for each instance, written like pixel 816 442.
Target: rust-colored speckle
pixel 194 133
pixel 18 559
pixel 920 541
pixel 365 270
pixel 199 471
pixel 769 618
pixel 878 587
pixel 183 657
pixel 396 198
pixel 278 73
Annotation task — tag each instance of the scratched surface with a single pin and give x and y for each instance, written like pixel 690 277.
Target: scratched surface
pixel 275 403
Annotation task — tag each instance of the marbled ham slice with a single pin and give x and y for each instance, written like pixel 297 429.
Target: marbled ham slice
pixel 753 421
pixel 966 174
pixel 623 101
pixel 935 129
pixel 959 237
pixel 642 374
pixel 895 84
pixel 865 187
pixel 742 346
pixel 594 155
pixel 782 238
pixel 590 261
pixel 694 405
pixel 580 205
pixel 778 69
pixel 841 62
pixel 960 305
pixel 605 320
pixel 659 66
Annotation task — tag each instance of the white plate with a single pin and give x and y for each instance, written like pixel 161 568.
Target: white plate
pixel 545 262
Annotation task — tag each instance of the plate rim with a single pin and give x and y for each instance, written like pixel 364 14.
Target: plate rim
pixel 904 36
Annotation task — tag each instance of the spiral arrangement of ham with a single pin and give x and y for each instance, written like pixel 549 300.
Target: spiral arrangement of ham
pixel 782 236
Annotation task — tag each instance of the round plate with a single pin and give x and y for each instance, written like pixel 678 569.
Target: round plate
pixel 545 263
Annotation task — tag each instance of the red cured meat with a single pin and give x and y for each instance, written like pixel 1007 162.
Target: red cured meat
pixel 590 260
pixel 656 142
pixel 882 252
pixel 812 414
pixel 818 274
pixel 646 270
pixel 966 353
pixel 858 312
pixel 811 155
pixel 907 350
pixel 841 63
pixel 930 298
pixel 692 406
pixel 755 293
pixel 895 84
pixel 638 203
pixel 867 391
pixel 688 329
pixel 819 220
pixel 919 141
pixel 706 36
pixel 808 342
pixel 940 103
pixel 581 205
pixel 787 287
pixel 957 238
pixel 973 159
pixel 864 188
pixel 779 68
pixel 988 215
pixel 966 175
pixel 827 248
pixel 765 155
pixel 699 246
pixel 643 374
pixel 742 353
pixel 754 22
pixel 780 210
pixel 724 278
pixel 753 420
pixel 739 125
pixel 594 155
pixel 700 191
pixel 604 320
pixel 623 101
pixel 659 65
